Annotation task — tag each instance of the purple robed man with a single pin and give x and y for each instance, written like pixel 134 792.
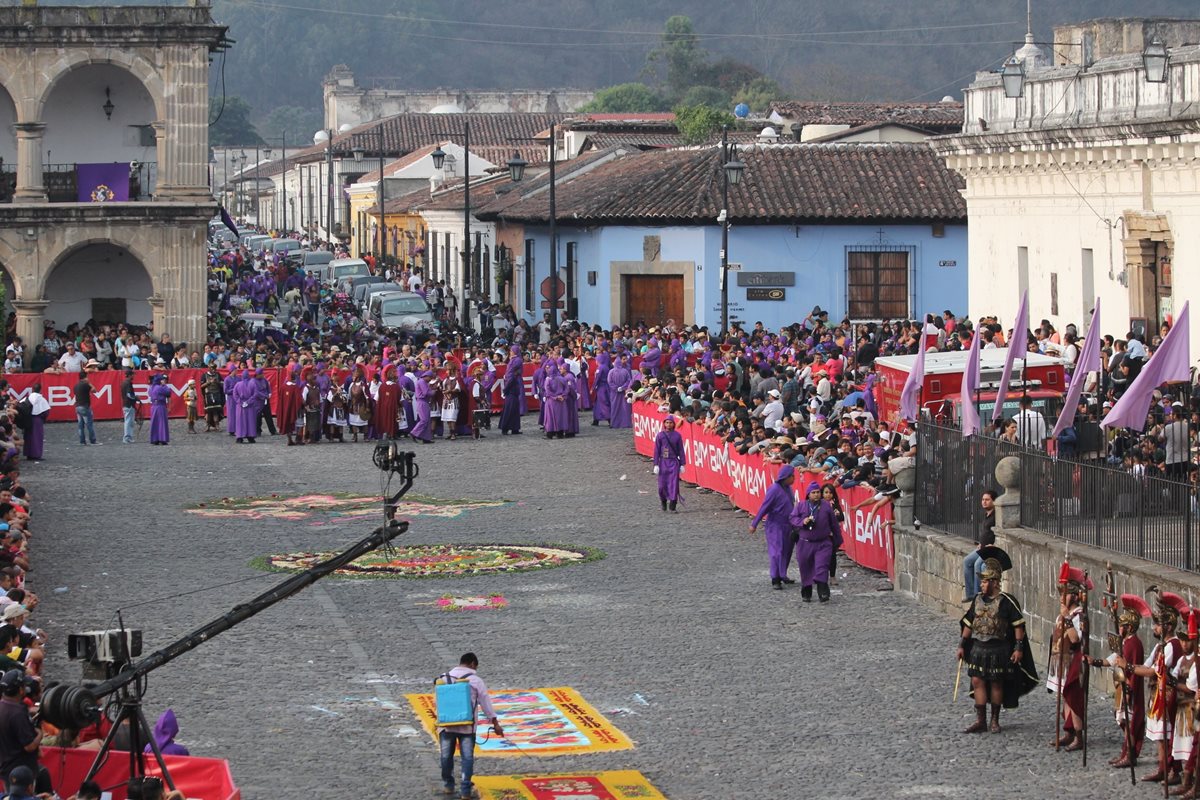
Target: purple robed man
pixel 231 381
pixel 601 402
pixel 652 358
pixel 572 397
pixel 669 459
pixel 554 402
pixel 165 731
pixel 160 395
pixel 776 509
pixel 245 408
pixel 422 430
pixel 817 525
pixel 583 386
pixel 619 378
pixel 539 384
pixel 513 389
pixel 35 437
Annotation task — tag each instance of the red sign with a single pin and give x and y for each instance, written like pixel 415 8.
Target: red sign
pixel 552 291
pixel 711 464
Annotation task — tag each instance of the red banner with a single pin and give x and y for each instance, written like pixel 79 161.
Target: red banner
pixel 204 778
pixel 712 464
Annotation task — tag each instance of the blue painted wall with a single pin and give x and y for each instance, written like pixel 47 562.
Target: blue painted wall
pixel 816 253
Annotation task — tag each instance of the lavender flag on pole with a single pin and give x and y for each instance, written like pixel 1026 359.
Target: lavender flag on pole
pixel 1088 362
pixel 910 394
pixel 1017 345
pixel 970 385
pixel 1171 362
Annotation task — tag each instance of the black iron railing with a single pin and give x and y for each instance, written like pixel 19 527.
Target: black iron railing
pixel 1090 502
pixel 62 185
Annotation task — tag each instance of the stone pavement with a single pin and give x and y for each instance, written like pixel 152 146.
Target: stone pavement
pixel 728 689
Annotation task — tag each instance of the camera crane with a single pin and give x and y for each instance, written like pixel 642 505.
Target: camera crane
pixel 79 706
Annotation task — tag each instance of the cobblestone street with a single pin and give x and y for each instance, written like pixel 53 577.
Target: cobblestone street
pixel 727 688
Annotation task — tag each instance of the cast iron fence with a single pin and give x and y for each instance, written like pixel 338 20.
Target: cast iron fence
pixel 1084 501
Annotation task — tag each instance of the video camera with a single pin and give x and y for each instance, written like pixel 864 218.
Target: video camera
pixel 104 653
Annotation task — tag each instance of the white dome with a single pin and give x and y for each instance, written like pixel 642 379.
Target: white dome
pixel 345 127
pixel 446 108
pixel 949 99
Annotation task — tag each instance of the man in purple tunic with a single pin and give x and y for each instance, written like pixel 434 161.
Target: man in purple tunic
pixel 160 395
pixel 776 508
pixel 619 378
pixel 554 402
pixel 539 383
pixel 245 408
pixel 669 459
pixel 652 358
pixel 513 389
pixel 231 381
pixel 601 397
pixel 816 523
pixel 422 431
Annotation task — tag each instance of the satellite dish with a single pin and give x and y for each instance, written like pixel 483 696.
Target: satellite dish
pixel 949 99
pixel 741 111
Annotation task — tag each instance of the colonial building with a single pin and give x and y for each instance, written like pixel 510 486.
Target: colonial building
pixel 868 231
pixel 1082 176
pixel 105 164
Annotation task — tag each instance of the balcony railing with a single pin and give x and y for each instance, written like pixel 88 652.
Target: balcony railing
pixel 62 184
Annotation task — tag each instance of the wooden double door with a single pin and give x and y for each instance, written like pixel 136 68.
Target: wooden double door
pixel 653 299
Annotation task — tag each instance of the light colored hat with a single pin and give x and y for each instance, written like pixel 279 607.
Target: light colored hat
pixel 14 611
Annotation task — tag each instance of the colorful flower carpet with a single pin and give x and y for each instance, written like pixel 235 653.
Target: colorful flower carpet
pixel 440 560
pixel 333 509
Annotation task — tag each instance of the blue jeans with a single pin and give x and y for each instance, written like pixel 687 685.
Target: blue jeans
pixel 130 413
pixel 972 568
pixel 466 748
pixel 83 415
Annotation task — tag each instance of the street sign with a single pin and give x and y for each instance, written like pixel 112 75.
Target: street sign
pixel 734 267
pixel 766 279
pixel 765 294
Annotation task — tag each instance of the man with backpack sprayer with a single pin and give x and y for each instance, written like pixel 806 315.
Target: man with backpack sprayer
pixel 458 693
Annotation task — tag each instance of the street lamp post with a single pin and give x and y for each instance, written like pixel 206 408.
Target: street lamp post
pixel 732 170
pixel 439 158
pixel 516 171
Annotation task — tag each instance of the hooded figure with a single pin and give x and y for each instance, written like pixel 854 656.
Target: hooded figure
pixel 231 381
pixel 619 378
pixel 652 358
pixel 160 395
pixel 246 404
pixel 422 431
pixel 554 402
pixel 669 459
pixel 165 731
pixel 776 508
pixel 512 389
pixel 816 526
pixel 600 393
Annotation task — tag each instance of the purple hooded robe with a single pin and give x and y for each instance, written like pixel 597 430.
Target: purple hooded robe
pixel 246 406
pixel 554 400
pixel 160 395
pixel 815 547
pixel 514 393
pixel 619 378
pixel 601 409
pixel 776 508
pixel 669 458
pixel 165 731
pixel 422 429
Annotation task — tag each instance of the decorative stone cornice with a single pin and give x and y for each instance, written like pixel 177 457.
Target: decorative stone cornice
pixel 116 26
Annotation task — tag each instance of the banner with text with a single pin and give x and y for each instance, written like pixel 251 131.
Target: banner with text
pixel 712 464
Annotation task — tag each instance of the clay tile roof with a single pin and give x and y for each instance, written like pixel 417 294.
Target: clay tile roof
pixel 786 183
pixel 404 133
pixel 937 117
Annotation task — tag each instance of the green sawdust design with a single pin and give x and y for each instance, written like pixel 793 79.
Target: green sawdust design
pixel 441 561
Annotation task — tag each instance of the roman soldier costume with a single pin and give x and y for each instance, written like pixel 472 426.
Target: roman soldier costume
pixel 1065 676
pixel 1129 700
pixel 1159 667
pixel 994 647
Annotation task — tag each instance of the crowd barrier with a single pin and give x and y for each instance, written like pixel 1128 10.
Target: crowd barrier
pixel 59 389
pixel 203 778
pixel 712 464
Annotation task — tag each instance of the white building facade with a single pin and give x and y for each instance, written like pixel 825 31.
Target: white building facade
pixel 1087 185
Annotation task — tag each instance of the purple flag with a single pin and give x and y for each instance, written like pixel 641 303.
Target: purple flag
pixel 970 384
pixel 910 394
pixel 1171 362
pixel 102 183
pixel 1088 362
pixel 1020 333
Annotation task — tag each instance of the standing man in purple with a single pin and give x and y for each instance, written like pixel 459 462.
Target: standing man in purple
pixel 423 431
pixel 554 402
pixel 160 395
pixel 231 382
pixel 776 508
pixel 245 408
pixel 539 382
pixel 652 358
pixel 619 378
pixel 572 405
pixel 601 397
pixel 512 389
pixel 669 459
pixel 817 525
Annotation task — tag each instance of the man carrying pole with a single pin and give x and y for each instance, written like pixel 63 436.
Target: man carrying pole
pixel 1129 700
pixel 1067 678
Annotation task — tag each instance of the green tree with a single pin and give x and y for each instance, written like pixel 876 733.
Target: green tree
pixel 298 123
pixel 709 96
pixel 697 124
pixel 626 98
pixel 230 124
pixel 679 54
pixel 759 94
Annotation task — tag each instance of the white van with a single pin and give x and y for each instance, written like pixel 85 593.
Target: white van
pixel 340 268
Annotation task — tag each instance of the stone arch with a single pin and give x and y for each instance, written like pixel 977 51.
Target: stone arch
pixel 81 269
pixel 135 64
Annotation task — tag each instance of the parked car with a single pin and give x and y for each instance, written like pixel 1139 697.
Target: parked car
pixel 285 245
pixel 403 312
pixel 360 286
pixel 372 289
pixel 309 259
pixel 340 268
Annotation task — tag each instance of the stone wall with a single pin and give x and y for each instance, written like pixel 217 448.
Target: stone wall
pixel 929 566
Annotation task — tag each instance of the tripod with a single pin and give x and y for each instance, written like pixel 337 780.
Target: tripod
pixel 129 703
